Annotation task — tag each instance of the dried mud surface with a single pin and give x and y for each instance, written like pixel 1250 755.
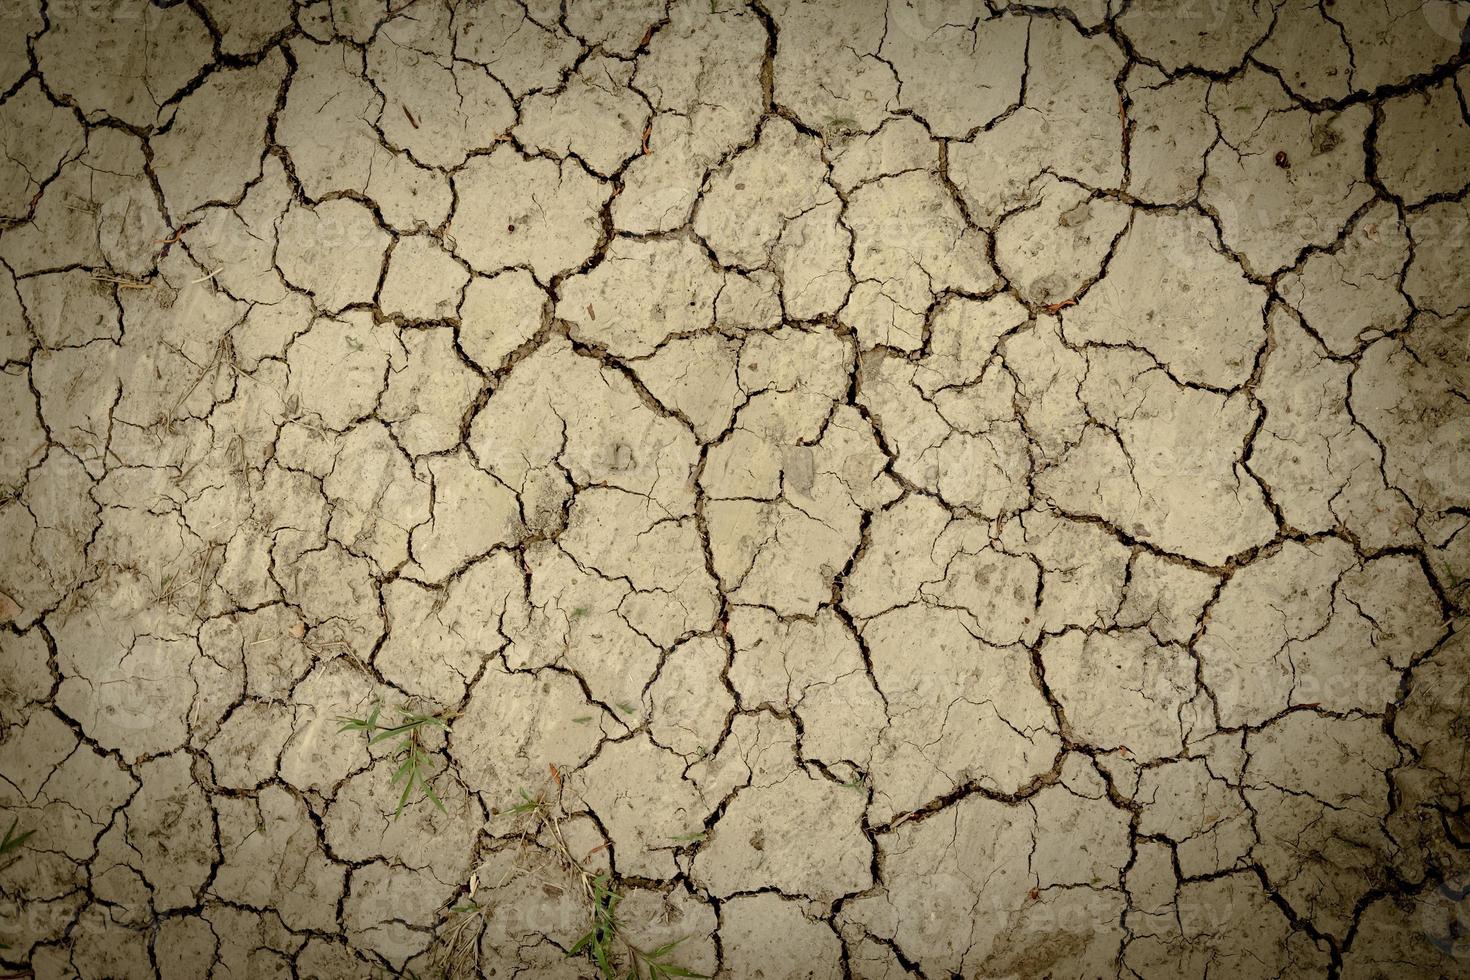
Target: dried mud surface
pixel 928 489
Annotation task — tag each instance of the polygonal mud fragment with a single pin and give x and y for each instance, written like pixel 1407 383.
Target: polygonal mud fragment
pixel 185 947
pixel 339 368
pixel 827 68
pixel 592 116
pixel 1070 124
pixel 1170 291
pixel 131 696
pixel 1048 375
pixel 360 824
pixel 46 530
pixel 212 149
pixel 240 243
pixel 695 377
pixel 1322 645
pixel 785 548
pixel 1172 132
pixel 1200 812
pixel 910 242
pixel 423 282
pixel 389 911
pixel 25 443
pixel 99 211
pixel 1416 935
pixel 909 550
pixel 574 419
pixel 1322 466
pixel 376 498
pixel 498 315
pixel 1405 393
pixel 1370 262
pixel 640 797
pixel 516 724
pixel 107 948
pixel 248 745
pixel 767 935
pixel 526 212
pixel 761 840
pixel 1072 931
pixel 37 138
pixel 1394 41
pixel 69 309
pixel 331 960
pixel 473 514
pixel 338 598
pixel 901 144
pixel 251 943
pixel 1082 839
pixel 426 402
pixel 816 670
pixel 436 108
pixel 333 251
pixel 701 75
pixel 950 416
pixel 15 336
pixel 1319 793
pixel 316 757
pixel 959 695
pixel 1214 37
pixel 955 76
pixel 1050 250
pixel 522 54
pixel 33 750
pixel 29 679
pixel 689 701
pixel 1308 47
pixel 1082 571
pixel 745 209
pixel 1434 280
pixel 618 28
pixel 1165 597
pixel 641 294
pixel 246 26
pixel 1430 722
pixel 270 856
pixel 355 20
pixel 138 57
pixel 1121 690
pixel 1423 144
pixel 1160 462
pixel 25 22
pixel 657 561
pixel 170 832
pixel 1281 178
pixel 439 641
pixel 1225 925
pixel 773 209
pixel 955 900
pixel 578 623
pixel 326 129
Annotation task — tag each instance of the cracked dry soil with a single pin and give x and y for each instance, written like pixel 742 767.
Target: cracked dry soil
pixel 935 489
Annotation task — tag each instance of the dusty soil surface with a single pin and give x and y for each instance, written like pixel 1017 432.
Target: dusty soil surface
pixel 924 490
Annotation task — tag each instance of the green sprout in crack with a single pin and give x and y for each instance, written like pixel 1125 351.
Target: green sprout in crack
pixel 413 760
pixel 12 841
pixel 605 935
pixel 9 845
pixel 599 943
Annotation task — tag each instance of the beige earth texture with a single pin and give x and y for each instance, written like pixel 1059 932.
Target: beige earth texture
pixel 785 489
